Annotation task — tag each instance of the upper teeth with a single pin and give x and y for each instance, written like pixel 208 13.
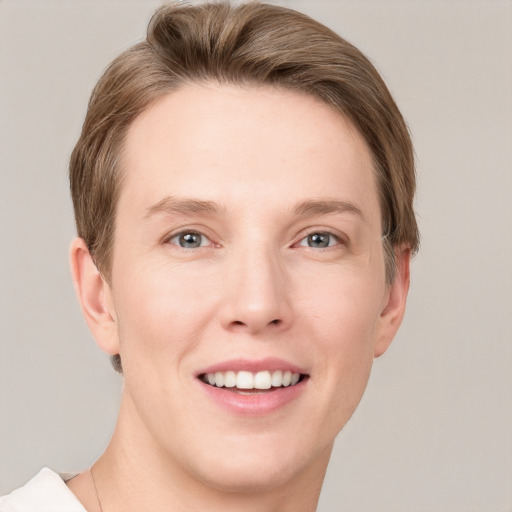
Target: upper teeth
pixel 249 380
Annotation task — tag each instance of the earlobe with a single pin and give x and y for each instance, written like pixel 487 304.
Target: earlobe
pixel 394 309
pixel 94 296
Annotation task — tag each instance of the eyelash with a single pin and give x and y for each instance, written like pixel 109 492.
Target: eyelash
pixel 192 233
pixel 339 240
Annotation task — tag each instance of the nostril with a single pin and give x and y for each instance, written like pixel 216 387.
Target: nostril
pixel 255 324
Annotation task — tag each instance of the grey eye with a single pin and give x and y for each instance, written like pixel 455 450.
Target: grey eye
pixel 189 240
pixel 319 240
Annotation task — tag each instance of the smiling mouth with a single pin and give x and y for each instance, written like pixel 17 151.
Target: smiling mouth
pixel 245 382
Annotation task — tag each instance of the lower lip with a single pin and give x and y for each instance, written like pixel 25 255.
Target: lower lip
pixel 254 404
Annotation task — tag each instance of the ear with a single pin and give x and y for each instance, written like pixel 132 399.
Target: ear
pixel 394 304
pixel 95 298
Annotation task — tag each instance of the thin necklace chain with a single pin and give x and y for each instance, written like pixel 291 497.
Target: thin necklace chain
pixel 96 490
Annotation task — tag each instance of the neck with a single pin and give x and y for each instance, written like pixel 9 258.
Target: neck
pixel 133 474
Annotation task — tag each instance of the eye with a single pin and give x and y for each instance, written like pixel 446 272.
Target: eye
pixel 319 240
pixel 190 240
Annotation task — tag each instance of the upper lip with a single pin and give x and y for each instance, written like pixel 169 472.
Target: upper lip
pixel 253 365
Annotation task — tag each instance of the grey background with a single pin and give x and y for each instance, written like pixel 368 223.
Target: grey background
pixel 434 431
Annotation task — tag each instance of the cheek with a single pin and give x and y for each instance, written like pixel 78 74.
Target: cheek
pixel 345 325
pixel 162 317
pixel 345 306
pixel 161 312
pixel 348 344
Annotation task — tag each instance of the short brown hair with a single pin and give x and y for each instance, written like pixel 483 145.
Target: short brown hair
pixel 250 44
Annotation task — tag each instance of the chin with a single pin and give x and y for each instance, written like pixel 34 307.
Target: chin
pixel 247 477
pixel 257 469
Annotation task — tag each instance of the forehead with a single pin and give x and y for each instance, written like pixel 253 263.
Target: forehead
pixel 246 145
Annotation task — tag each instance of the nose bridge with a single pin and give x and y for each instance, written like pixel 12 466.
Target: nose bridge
pixel 257 289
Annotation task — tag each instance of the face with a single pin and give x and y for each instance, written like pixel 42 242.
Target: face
pixel 248 294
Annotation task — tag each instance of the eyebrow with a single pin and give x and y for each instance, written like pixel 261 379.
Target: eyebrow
pixel 182 206
pixel 313 207
pixel 326 206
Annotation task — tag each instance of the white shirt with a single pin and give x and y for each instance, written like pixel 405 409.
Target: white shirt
pixel 46 492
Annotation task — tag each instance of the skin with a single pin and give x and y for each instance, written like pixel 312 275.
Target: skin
pixel 255 288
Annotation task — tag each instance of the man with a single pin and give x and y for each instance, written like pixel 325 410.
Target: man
pixel 243 191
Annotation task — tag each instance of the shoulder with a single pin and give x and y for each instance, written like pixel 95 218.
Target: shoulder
pixel 46 492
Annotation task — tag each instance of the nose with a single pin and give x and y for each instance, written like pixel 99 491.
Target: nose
pixel 257 298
